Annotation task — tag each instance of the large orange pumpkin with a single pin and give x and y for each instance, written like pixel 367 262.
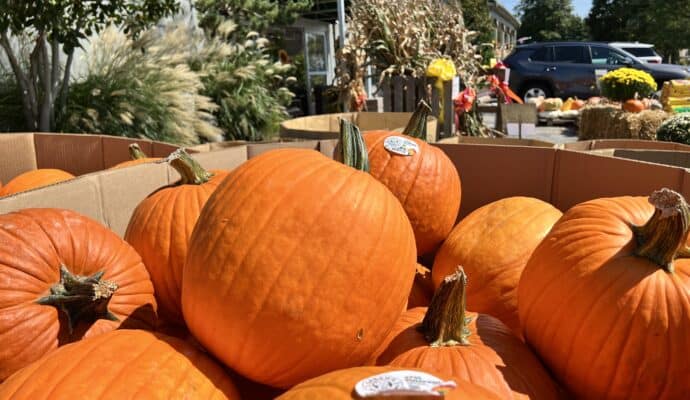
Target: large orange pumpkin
pixel 162 224
pixel 64 277
pixel 444 339
pixel 33 180
pixel 493 244
pixel 123 364
pixel 605 298
pixel 298 265
pixel 424 180
pixel 137 156
pixel 340 385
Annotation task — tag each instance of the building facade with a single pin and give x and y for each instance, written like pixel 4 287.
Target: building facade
pixel 506 28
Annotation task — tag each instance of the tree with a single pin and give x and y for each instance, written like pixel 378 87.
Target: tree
pixel 545 20
pixel 250 15
pixel 59 25
pixel 662 23
pixel 475 14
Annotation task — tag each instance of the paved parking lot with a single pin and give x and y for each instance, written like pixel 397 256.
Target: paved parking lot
pixel 554 134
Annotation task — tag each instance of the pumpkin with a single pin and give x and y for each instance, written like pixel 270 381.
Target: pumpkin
pixel 293 249
pixel 445 339
pixel 425 181
pixel 605 298
pixel 34 179
pixel 64 277
pixel 123 364
pixel 493 244
pixel 162 224
pixel 340 385
pixel 422 288
pixel 137 156
pixel 633 106
pixel 551 104
pixel 577 104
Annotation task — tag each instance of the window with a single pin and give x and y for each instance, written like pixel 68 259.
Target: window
pixel 607 56
pixel 569 54
pixel 641 51
pixel 541 55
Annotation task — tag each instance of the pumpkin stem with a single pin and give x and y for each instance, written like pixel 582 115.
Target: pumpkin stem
pixel 190 170
pixel 416 126
pixel 662 239
pixel 354 149
pixel 81 297
pixel 445 323
pixel 135 152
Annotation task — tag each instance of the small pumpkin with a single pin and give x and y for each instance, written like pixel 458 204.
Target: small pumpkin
pixel 447 340
pixel 65 277
pixel 34 179
pixel 293 250
pixel 422 288
pixel 161 225
pixel 634 106
pixel 577 104
pixel 137 156
pixel 425 180
pixel 123 364
pixel 605 298
pixel 593 101
pixel 340 385
pixel 493 244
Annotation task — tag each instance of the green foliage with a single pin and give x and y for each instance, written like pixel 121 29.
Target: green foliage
pixel 250 15
pixel 475 13
pixel 248 87
pixel 626 83
pixel 662 23
pixel 545 20
pixel 10 104
pixel 70 21
pixel 141 89
pixel 675 129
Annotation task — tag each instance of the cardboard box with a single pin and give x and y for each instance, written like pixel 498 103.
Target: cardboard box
pixel 490 172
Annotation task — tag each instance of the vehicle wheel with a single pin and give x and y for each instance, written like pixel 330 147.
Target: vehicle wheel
pixel 533 90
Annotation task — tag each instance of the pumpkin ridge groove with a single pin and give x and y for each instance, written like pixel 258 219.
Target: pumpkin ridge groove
pixel 636 377
pixel 16 235
pixel 419 165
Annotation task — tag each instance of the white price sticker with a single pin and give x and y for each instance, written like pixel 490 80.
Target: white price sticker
pixel 402 383
pixel 400 145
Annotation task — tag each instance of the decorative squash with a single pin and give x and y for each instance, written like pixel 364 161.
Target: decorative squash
pixel 633 106
pixel 567 105
pixel 33 180
pixel 64 277
pixel 422 288
pixel 340 385
pixel 593 101
pixel 424 180
pixel 471 346
pixel 293 249
pixel 162 224
pixel 137 156
pixel 551 104
pixel 493 244
pixel 605 298
pixel 123 364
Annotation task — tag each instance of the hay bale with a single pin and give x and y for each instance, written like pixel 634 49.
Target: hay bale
pixel 610 122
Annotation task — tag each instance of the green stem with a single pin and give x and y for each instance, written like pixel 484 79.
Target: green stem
pixel 662 239
pixel 81 297
pixel 190 170
pixel 352 144
pixel 445 323
pixel 416 126
pixel 135 152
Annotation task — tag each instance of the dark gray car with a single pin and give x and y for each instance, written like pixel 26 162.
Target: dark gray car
pixel 566 69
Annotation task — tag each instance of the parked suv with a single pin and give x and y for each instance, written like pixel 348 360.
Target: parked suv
pixel 642 51
pixel 565 69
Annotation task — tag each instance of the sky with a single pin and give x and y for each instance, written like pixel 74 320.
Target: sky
pixel 581 6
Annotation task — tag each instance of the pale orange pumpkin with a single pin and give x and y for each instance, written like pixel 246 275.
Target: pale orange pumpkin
pixel 34 179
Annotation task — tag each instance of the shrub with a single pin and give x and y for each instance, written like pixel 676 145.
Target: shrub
pixel 675 129
pixel 625 83
pixel 142 88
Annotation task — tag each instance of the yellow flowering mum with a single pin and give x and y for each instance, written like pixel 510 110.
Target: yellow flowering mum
pixel 623 83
